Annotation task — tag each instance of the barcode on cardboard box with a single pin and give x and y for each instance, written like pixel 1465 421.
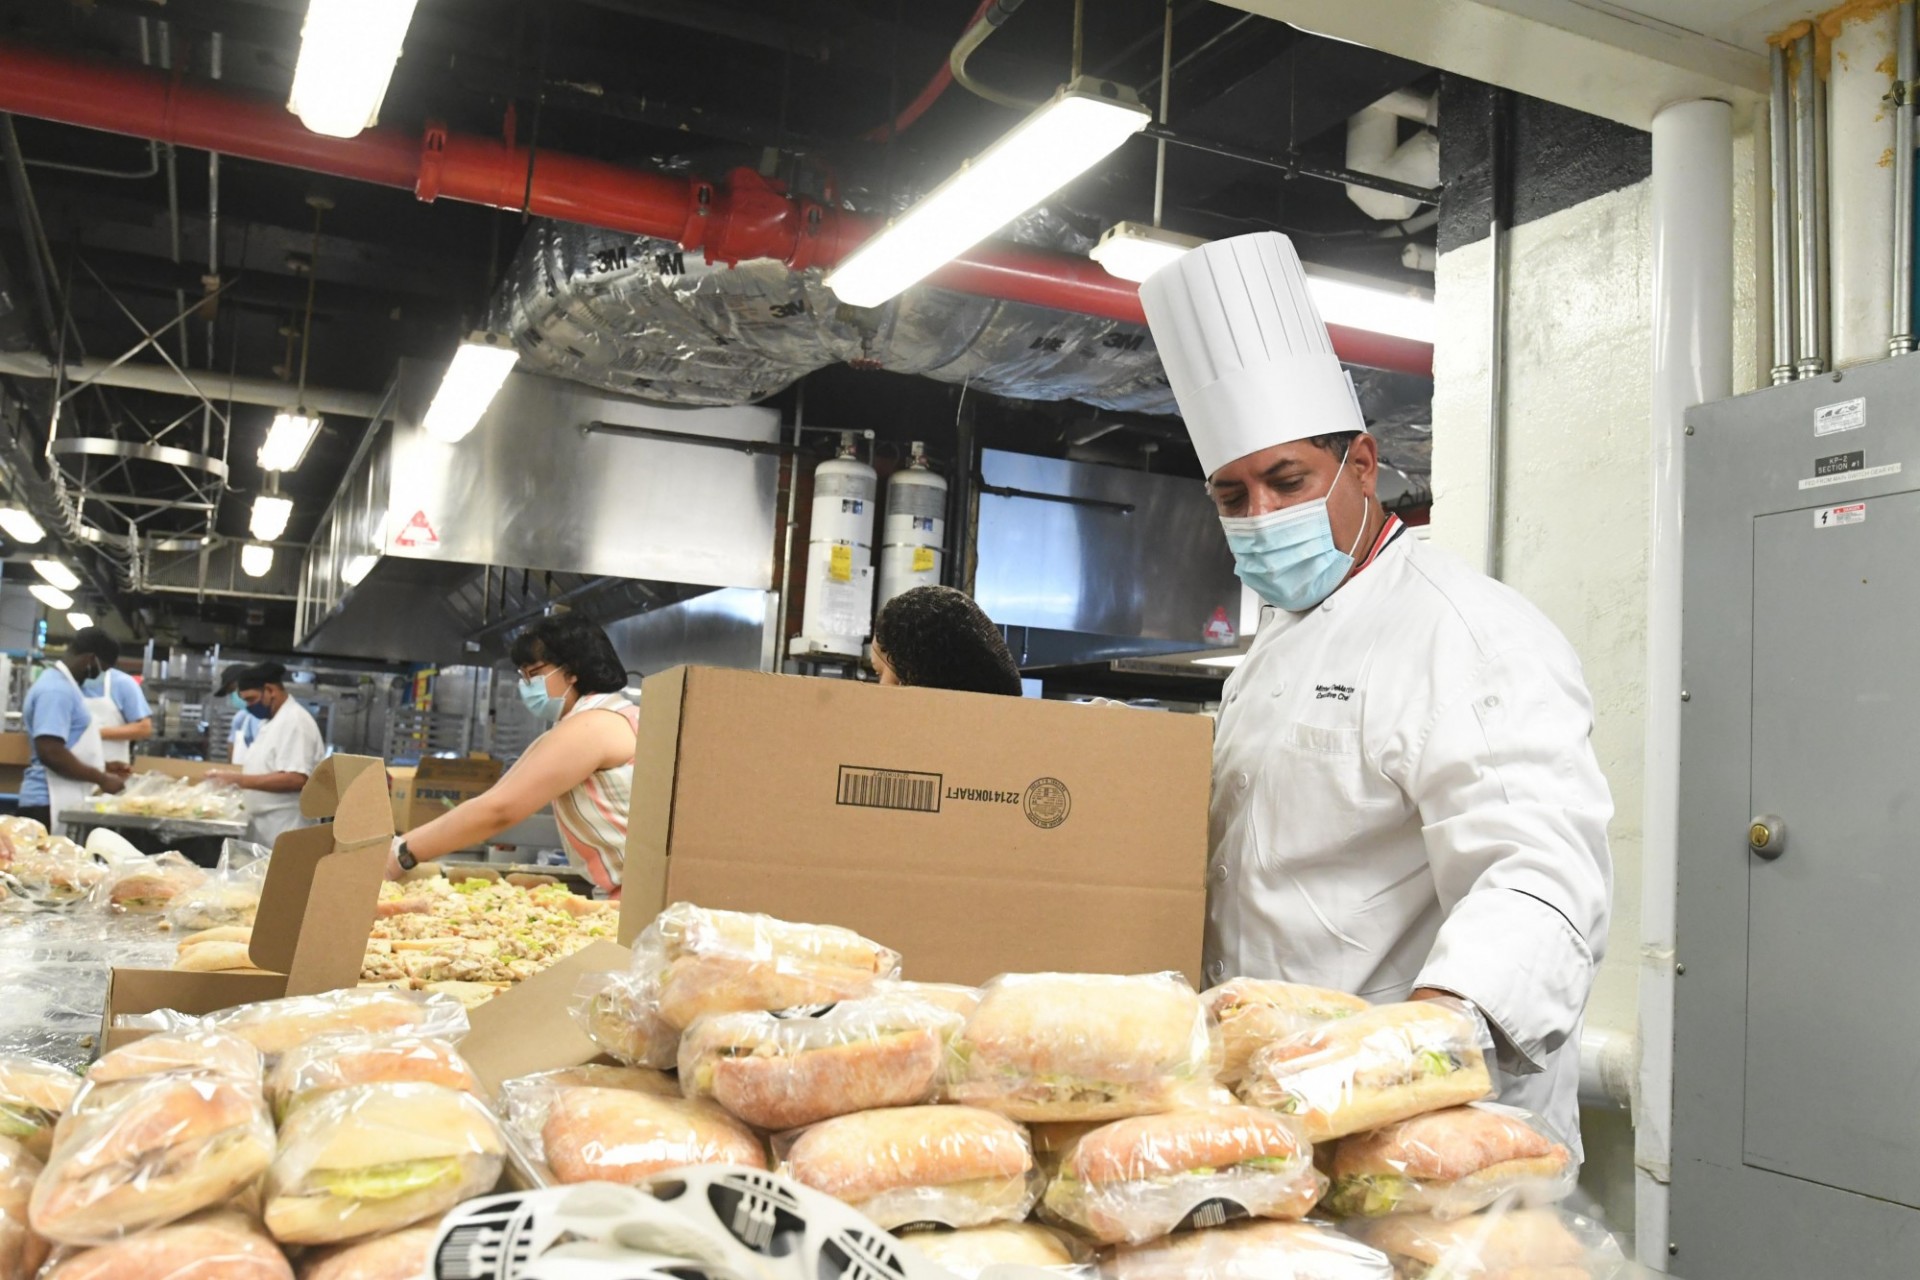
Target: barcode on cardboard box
pixel 889 789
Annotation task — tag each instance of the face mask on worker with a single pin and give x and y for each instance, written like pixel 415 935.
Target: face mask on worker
pixel 1288 557
pixel 259 710
pixel 542 704
pixel 237 702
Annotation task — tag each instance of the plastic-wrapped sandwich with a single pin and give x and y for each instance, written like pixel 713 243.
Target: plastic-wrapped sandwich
pixel 400 1256
pixel 279 1026
pixel 692 962
pixel 216 1245
pixel 330 1063
pixel 1063 1046
pixel 1253 1013
pixel 1449 1163
pixel 1388 1064
pixel 206 1055
pixel 1253 1251
pixel 782 1073
pixel 157 1150
pixel 372 1158
pixel 33 1095
pixel 967 1253
pixel 1137 1180
pixel 914 1166
pixel 619 1135
pixel 21 1251
pixel 1521 1244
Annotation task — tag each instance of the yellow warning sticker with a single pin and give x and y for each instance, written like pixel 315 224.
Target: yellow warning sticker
pixel 840 564
pixel 923 559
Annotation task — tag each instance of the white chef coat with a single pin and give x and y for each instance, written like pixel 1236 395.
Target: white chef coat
pixel 288 743
pixel 1404 796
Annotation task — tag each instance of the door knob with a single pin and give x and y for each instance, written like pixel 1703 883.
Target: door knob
pixel 1767 836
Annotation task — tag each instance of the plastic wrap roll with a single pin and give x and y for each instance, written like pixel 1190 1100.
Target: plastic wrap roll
pixel 370 1159
pixel 1449 1163
pixel 216 1245
pixel 1059 1046
pixel 322 1066
pixel 1254 1251
pixel 1388 1064
pixel 160 1150
pixel 918 1166
pixel 618 1135
pixel 782 1073
pixel 1137 1180
pixel 1253 1013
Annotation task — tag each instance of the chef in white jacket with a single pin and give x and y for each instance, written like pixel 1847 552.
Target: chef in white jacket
pixel 1405 799
pixel 281 759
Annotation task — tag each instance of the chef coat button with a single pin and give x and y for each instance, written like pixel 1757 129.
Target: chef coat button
pixel 1240 779
pixel 1216 971
pixel 1219 873
pixel 1327 607
pixel 1493 700
pixel 1280 688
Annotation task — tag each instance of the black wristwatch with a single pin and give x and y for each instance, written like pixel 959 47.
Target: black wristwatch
pixel 405 858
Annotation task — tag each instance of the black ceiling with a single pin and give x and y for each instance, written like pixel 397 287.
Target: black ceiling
pixel 702 85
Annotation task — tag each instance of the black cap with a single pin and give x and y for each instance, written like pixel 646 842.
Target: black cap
pixel 230 679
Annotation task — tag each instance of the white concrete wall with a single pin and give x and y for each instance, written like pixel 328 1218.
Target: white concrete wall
pixel 1577 476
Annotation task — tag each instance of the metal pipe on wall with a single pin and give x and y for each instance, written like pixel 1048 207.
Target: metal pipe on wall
pixel 1497 322
pixel 1781 193
pixel 1860 182
pixel 1692 364
pixel 1906 67
pixel 1807 199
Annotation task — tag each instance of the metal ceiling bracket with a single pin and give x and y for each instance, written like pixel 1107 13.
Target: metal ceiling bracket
pixel 102 447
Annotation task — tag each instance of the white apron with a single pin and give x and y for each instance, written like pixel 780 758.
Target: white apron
pixel 106 715
pixel 68 793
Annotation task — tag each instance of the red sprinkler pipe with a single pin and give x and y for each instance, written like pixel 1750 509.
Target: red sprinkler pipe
pixel 747 217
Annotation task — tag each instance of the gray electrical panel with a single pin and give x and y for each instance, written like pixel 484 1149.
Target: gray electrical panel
pixel 1796 1120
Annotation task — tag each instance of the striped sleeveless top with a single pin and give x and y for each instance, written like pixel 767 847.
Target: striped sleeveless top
pixel 592 817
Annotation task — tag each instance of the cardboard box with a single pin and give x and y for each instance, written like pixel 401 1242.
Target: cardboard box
pixel 975 834
pixel 530 1027
pixel 423 792
pixel 191 770
pixel 316 908
pixel 15 749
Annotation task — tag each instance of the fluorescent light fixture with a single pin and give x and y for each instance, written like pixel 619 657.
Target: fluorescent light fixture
pixel 356 569
pixel 256 560
pixel 56 573
pixel 473 379
pixel 288 439
pixel 1134 250
pixel 20 526
pixel 1374 308
pixel 270 516
pixel 1228 660
pixel 347 52
pixel 51 596
pixel 1082 124
pixel 79 621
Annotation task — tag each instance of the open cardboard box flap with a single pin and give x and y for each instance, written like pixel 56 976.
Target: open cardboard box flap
pixel 316 907
pixel 530 1028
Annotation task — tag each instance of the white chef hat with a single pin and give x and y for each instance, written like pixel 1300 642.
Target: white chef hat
pixel 1245 350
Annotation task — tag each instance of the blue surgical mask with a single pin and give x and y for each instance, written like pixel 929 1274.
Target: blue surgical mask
pixel 1288 557
pixel 237 702
pixel 542 704
pixel 258 710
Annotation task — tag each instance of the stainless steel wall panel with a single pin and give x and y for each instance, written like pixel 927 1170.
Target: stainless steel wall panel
pixel 720 629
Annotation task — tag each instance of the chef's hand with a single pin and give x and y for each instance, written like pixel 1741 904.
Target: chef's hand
pixel 111 783
pixel 120 769
pixel 393 859
pixel 224 777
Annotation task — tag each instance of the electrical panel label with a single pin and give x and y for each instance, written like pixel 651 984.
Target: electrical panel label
pixel 1848 415
pixel 1844 477
pixel 1828 517
pixel 1840 462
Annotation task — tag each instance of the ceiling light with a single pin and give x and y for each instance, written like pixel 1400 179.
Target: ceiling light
pixel 56 573
pixel 1082 124
pixel 473 379
pixel 288 439
pixel 1228 660
pixel 20 526
pixel 270 516
pixel 51 596
pixel 357 569
pixel 79 621
pixel 1134 250
pixel 347 52
pixel 1376 308
pixel 256 560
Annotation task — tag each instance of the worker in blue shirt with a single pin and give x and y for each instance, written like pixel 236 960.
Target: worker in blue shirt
pixel 246 726
pixel 68 762
pixel 120 710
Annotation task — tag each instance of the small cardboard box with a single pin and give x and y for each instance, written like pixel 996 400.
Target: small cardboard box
pixel 976 834
pixel 423 792
pixel 191 770
pixel 316 908
pixel 15 749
